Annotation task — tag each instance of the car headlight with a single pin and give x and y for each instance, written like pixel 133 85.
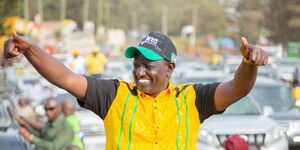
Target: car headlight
pixel 275 134
pixel 294 127
pixel 206 137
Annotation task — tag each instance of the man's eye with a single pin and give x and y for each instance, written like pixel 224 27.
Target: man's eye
pixel 149 67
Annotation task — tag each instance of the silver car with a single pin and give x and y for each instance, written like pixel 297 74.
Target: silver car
pixel 246 119
pixel 276 96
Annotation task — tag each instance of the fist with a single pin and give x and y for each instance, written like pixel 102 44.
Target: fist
pixel 25 134
pixel 253 54
pixel 15 46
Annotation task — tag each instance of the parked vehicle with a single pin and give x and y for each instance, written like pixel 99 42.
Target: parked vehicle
pixel 9 136
pixel 275 97
pixel 229 64
pixel 286 66
pixel 268 72
pixel 246 119
pixel 204 77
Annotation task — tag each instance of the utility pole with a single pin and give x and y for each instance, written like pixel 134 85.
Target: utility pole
pixel 164 26
pixel 26 10
pixel 86 6
pixel 134 21
pixel 63 8
pixel 40 9
pixel 100 4
pixel 194 23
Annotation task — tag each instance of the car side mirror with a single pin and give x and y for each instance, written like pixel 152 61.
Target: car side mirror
pixel 267 111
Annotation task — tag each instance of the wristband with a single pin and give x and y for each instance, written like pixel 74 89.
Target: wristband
pixel 248 61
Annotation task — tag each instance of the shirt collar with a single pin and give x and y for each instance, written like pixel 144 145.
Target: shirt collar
pixel 57 121
pixel 166 91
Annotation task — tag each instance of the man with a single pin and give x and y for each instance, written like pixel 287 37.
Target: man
pixel 96 63
pixel 150 113
pixel 56 134
pixel 68 110
pixel 25 110
pixel 34 92
pixel 76 62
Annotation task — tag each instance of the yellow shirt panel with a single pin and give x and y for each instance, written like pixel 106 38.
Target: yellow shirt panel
pixel 144 122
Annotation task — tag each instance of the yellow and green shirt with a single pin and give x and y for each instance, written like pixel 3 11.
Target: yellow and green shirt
pixel 134 120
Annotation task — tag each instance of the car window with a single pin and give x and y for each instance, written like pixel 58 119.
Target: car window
pixel 242 107
pixel 278 97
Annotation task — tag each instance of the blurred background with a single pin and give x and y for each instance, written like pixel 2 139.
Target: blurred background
pixel 207 36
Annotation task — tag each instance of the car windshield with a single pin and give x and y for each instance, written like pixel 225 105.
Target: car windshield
pixel 242 107
pixel 278 97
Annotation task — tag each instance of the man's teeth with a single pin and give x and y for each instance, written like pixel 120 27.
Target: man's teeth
pixel 144 81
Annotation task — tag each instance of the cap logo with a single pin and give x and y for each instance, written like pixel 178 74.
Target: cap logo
pixel 173 58
pixel 150 40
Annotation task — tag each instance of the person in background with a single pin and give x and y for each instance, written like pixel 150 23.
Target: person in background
pixel 68 110
pixel 35 92
pixel 25 110
pixel 56 134
pixel 96 63
pixel 76 62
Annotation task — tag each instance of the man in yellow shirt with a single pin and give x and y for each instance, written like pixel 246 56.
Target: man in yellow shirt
pixel 150 113
pixel 96 63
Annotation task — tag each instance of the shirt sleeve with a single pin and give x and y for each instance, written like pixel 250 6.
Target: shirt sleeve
pixel 62 139
pixel 99 95
pixel 33 131
pixel 205 95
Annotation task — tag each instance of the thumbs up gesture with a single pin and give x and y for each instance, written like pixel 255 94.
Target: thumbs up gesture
pixel 252 54
pixel 16 46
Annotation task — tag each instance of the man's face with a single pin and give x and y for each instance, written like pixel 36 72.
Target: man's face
pixel 151 77
pixel 52 110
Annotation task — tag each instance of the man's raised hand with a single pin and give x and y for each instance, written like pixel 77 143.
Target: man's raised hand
pixel 15 46
pixel 254 55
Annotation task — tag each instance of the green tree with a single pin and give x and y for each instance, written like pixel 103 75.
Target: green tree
pixel 252 20
pixel 284 20
pixel 10 8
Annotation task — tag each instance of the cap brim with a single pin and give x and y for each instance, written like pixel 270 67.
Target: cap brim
pixel 130 52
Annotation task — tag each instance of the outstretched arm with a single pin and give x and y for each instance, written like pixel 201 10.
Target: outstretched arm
pixel 244 78
pixel 49 67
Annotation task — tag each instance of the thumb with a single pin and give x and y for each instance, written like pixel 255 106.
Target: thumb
pixel 245 48
pixel 17 37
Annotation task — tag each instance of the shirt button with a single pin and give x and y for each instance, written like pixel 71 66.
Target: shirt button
pixel 157 127
pixel 155 143
pixel 155 107
pixel 155 101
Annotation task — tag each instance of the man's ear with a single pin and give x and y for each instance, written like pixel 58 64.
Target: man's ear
pixel 171 66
